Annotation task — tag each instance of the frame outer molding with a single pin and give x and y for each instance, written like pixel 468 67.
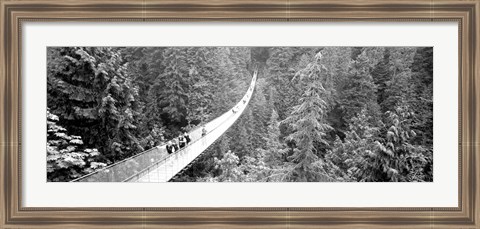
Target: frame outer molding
pixel 3 141
pixel 14 12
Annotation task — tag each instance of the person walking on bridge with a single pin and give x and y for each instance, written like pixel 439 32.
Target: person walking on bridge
pixel 187 138
pixel 182 141
pixel 170 148
pixel 204 131
pixel 175 144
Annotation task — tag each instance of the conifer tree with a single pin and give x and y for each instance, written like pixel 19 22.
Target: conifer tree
pixel 259 114
pixel 229 167
pixel 359 90
pixel 382 75
pixel 396 156
pixel 173 84
pixel 242 139
pixel 280 74
pixel 398 90
pixel 91 92
pixel 200 93
pixel 422 76
pixel 273 151
pixel 351 154
pixel 309 127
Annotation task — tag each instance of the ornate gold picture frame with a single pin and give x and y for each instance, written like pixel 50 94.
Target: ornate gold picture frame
pixel 13 13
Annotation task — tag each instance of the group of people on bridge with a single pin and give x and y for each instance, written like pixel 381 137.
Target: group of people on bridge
pixel 178 143
pixel 181 141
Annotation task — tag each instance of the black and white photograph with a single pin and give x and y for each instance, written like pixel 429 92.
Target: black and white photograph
pixel 239 114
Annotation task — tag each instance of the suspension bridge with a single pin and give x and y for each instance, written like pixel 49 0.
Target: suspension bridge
pixel 156 165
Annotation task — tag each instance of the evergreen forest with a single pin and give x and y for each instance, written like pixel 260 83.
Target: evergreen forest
pixel 317 114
